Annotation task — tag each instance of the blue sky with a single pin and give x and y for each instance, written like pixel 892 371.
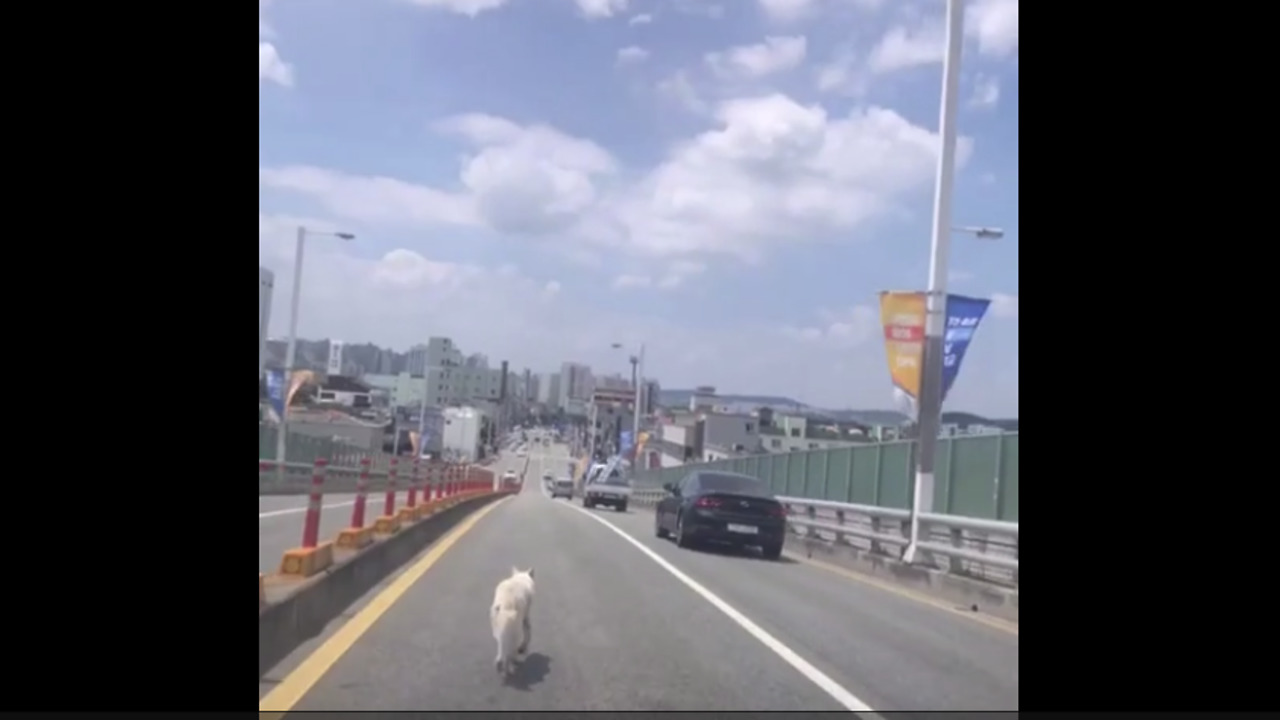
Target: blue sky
pixel 730 183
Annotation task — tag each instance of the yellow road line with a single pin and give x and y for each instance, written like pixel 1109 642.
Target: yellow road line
pixel 988 620
pixel 296 684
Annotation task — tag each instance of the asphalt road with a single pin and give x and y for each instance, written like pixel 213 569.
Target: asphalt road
pixel 615 629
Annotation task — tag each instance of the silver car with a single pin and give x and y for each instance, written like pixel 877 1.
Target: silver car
pixel 562 487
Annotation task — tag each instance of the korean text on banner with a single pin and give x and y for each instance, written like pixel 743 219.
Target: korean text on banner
pixel 963 316
pixel 276 392
pixel 902 315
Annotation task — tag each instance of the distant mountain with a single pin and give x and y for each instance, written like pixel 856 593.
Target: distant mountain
pixel 680 398
pixel 747 403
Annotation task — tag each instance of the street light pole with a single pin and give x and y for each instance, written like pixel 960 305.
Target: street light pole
pixel 637 377
pixel 929 407
pixel 291 350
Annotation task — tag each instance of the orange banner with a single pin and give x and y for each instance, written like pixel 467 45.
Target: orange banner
pixel 298 379
pixel 902 315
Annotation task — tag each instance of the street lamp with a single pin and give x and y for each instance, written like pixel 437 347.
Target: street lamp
pixel 980 232
pixel 291 350
pixel 929 407
pixel 637 376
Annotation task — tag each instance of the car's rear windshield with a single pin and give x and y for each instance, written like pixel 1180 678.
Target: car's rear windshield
pixel 712 482
pixel 615 479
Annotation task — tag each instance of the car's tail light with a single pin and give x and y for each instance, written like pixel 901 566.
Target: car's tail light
pixel 778 511
pixel 707 502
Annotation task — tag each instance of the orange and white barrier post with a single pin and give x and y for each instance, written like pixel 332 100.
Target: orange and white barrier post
pixel 413 485
pixel 389 505
pixel 362 494
pixel 314 555
pixel 311 523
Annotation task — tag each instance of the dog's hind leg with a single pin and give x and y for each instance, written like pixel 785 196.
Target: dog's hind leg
pixel 528 635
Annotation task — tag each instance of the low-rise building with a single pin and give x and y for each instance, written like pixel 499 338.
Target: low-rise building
pixel 345 391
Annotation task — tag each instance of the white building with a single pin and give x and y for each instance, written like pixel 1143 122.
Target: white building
pixel 403 390
pixel 461 437
pixel 266 281
pixel 416 360
pixel 455 380
pixel 449 382
pixel 345 391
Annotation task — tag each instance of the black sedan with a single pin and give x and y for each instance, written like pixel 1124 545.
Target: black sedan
pixel 724 508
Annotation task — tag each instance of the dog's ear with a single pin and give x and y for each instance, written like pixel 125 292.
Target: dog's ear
pixel 530 573
pixel 515 570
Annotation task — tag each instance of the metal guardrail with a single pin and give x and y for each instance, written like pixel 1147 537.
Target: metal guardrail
pixel 975 547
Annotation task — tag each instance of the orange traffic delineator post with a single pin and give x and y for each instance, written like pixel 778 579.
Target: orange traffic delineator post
pixel 313 556
pixel 356 535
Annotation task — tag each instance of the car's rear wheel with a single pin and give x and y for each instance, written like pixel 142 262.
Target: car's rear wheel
pixel 621 508
pixel 658 530
pixel 586 503
pixel 772 551
pixel 682 539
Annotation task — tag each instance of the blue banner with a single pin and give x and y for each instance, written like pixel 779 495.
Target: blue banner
pixel 963 316
pixel 276 391
pixel 624 439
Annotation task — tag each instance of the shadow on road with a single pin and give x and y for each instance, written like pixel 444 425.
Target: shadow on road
pixel 529 672
pixel 749 554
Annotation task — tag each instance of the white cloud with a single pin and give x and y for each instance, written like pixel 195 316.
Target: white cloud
pixel 843 73
pixel 641 19
pixel 775 171
pixel 700 8
pixel 595 9
pixel 787 10
pixel 673 276
pixel 774 55
pixel 271 68
pixel 632 54
pixel 590 9
pixel 531 180
pixel 995 24
pixel 1004 305
pixel 986 92
pixel 902 48
pixel 771 172
pixel 850 327
pixel 679 89
pixel 470 8
pixel 626 282
pixel 373 199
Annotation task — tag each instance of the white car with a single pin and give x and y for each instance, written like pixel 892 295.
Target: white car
pixel 521 451
pixel 562 488
pixel 614 491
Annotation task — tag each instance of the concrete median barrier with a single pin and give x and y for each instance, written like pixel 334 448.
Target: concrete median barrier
pixel 294 610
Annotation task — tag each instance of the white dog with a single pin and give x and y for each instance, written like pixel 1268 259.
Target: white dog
pixel 509 616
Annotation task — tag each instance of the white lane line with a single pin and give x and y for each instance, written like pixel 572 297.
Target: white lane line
pixel 291 511
pixel 824 682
